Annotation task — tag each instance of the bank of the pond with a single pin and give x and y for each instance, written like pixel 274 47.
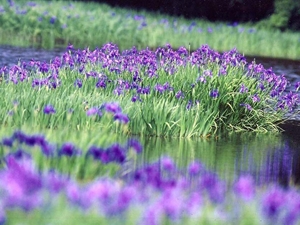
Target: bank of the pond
pixel 50 24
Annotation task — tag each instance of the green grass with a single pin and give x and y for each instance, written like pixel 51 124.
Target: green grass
pixel 92 25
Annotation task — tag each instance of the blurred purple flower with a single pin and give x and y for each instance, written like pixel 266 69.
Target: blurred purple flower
pixel 49 109
pixel 19 154
pixel 134 144
pixel 168 164
pixel 243 89
pixel 123 118
pixel 195 168
pixel 245 187
pixel 273 201
pixel 112 107
pixel 247 106
pixel 179 95
pixel 116 153
pixel 136 98
pixel 55 182
pixel 47 149
pixel 95 152
pixel 214 93
pixel 78 83
pixel 68 149
pixel 93 111
pixel 19 136
pixel 255 98
pixel 52 20
pixel 7 142
pixel 20 179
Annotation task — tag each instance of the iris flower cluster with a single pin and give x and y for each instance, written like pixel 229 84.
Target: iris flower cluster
pixel 18 140
pixel 186 79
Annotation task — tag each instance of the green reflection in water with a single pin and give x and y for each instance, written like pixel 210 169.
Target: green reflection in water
pixel 229 156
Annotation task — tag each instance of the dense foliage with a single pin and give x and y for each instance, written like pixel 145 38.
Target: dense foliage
pixel 165 92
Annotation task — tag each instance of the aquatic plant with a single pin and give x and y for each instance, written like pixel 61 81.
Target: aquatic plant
pixel 162 92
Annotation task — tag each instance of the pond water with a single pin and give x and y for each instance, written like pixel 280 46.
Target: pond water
pixel 267 157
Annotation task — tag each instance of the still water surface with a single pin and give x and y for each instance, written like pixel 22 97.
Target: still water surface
pixel 267 157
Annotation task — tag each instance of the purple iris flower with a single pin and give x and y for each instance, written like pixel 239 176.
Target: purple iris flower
pixel 123 118
pixel 68 149
pixel 194 168
pixel 47 149
pixel 214 93
pixel 247 106
pixel 160 88
pixel 273 202
pixel 93 111
pixel 168 164
pixel 7 142
pixel 78 83
pixel 134 144
pixel 179 95
pixel 243 89
pixel 19 136
pixel 136 98
pixel 49 109
pixel 52 20
pixel 95 152
pixel 116 153
pixel 255 98
pixel 19 154
pixel 112 107
pixel 244 188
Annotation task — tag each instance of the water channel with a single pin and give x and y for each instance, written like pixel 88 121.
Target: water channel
pixel 267 157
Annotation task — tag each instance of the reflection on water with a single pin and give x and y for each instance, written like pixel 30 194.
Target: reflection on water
pixel 10 55
pixel 268 158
